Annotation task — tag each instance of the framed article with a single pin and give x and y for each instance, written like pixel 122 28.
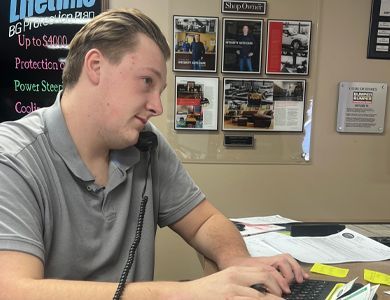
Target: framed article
pixel 379 34
pixel 263 104
pixel 196 103
pixel 254 7
pixel 195 43
pixel 288 47
pixel 242 39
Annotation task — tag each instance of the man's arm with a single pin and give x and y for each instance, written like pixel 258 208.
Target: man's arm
pixel 213 235
pixel 21 277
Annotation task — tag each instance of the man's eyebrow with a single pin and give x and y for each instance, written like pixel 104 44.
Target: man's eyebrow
pixel 153 70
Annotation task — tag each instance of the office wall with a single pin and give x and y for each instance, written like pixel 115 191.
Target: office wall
pixel 348 177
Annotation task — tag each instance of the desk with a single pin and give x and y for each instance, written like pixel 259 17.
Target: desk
pixel 355 270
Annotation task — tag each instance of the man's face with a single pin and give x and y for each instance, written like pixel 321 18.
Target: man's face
pixel 197 37
pixel 131 93
pixel 245 29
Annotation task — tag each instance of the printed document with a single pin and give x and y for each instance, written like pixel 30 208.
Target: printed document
pixel 344 246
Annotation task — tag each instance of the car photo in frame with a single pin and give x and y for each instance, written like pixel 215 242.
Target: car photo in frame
pixel 242 40
pixel 195 43
pixel 196 103
pixel 288 47
pixel 263 104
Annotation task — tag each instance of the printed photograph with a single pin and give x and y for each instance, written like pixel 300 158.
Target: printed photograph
pixel 288 47
pixel 196 105
pixel 195 44
pixel 242 40
pixel 263 105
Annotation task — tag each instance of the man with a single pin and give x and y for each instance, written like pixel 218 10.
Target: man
pixel 72 180
pixel 246 44
pixel 198 51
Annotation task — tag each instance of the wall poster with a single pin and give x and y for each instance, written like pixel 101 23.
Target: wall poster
pixel 288 47
pixel 263 104
pixel 35 37
pixel 195 43
pixel 196 105
pixel 242 40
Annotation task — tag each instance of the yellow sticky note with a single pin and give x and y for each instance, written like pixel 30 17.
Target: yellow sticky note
pixel 329 270
pixel 376 277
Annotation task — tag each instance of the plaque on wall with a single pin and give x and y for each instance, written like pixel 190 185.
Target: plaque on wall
pixel 361 107
pixel 35 40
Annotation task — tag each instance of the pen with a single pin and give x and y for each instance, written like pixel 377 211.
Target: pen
pixel 259 287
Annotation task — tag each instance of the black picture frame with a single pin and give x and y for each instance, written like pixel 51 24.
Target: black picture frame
pixel 253 7
pixel 186 31
pixel 288 47
pixel 378 46
pixel 196 103
pixel 242 51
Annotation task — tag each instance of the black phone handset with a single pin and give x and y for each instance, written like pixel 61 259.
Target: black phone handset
pixel 147 141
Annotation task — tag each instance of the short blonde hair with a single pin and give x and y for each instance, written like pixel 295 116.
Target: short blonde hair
pixel 113 32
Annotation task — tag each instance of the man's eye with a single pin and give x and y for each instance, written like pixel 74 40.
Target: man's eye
pixel 148 80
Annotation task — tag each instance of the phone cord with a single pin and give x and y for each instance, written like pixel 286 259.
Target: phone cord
pixel 137 239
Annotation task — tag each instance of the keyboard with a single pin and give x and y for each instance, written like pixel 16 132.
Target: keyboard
pixel 315 290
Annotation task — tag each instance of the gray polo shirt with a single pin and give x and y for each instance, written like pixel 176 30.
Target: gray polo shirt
pixel 51 208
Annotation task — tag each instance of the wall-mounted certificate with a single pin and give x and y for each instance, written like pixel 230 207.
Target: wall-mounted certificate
pixel 195 43
pixel 241 51
pixel 288 47
pixel 196 104
pixel 361 107
pixel 263 104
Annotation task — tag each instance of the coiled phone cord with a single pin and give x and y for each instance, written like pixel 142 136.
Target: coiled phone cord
pixel 137 239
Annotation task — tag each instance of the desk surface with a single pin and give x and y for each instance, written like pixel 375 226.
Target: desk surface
pixel 355 270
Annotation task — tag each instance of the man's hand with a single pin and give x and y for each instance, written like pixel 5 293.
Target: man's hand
pixel 286 268
pixel 234 283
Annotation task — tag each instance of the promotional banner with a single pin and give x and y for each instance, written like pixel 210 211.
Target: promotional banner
pixel 35 38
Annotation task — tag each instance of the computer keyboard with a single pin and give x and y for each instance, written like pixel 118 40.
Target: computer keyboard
pixel 310 290
pixel 314 290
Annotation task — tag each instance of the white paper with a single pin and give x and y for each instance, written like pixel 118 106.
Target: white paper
pixel 345 289
pixel 257 247
pixel 344 246
pixel 374 288
pixel 275 219
pixel 387 292
pixel 361 294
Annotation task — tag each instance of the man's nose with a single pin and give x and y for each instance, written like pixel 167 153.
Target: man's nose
pixel 155 105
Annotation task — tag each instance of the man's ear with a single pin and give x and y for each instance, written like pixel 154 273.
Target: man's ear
pixel 92 65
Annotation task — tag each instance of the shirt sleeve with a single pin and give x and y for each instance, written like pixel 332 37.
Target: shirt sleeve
pixel 21 225
pixel 177 191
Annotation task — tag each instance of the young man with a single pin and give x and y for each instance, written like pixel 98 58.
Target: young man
pixel 72 179
pixel 198 51
pixel 247 43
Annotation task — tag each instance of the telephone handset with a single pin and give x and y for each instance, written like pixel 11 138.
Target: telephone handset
pixel 147 142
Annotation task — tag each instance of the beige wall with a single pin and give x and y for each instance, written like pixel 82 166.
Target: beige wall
pixel 348 177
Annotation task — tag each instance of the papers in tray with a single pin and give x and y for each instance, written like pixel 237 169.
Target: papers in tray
pixel 256 225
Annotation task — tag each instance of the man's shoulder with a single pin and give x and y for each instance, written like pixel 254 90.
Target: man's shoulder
pixel 19 134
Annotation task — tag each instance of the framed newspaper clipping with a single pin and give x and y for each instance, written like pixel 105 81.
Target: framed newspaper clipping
pixel 196 103
pixel 288 47
pixel 195 43
pixel 263 104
